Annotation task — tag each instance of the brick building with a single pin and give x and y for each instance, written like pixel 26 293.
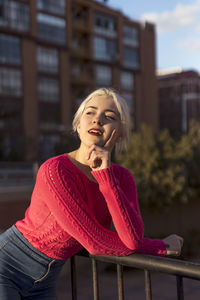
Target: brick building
pixel 52 54
pixel 179 100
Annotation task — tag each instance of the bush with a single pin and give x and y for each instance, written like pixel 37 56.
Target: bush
pixel 166 170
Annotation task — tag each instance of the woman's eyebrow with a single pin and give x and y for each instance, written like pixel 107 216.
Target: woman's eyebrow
pixel 107 110
pixel 94 107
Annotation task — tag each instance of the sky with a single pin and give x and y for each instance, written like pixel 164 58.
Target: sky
pixel 177 29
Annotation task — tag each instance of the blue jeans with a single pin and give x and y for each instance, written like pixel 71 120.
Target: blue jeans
pixel 26 273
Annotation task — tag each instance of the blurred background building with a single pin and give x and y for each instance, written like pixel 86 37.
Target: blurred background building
pixel 52 54
pixel 179 100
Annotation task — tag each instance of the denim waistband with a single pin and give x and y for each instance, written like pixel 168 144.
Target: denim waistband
pixel 15 235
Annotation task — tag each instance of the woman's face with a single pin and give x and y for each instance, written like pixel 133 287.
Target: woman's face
pixel 99 119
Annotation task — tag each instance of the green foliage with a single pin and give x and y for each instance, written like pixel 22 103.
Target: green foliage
pixel 165 169
pixel 192 162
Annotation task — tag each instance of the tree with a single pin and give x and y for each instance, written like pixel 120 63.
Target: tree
pixel 165 169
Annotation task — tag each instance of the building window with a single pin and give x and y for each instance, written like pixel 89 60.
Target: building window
pixel 50 126
pixel 130 36
pixel 105 25
pixel 131 58
pixel 1 8
pixel 51 29
pixel 103 75
pixel 129 97
pixel 48 145
pixel 52 6
pixel 12 145
pixel 10 113
pixel 47 60
pixel 48 89
pixel 15 15
pixel 127 81
pixel 10 82
pixel 49 113
pixel 10 49
pixel 105 49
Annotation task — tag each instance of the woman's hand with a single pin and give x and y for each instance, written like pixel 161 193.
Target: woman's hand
pixel 174 244
pixel 100 157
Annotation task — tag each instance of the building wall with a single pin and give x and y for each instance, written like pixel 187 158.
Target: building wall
pixel 30 99
pixel 59 63
pixel 179 100
pixel 146 85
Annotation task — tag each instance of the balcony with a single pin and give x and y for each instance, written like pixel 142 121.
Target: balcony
pixel 84 3
pixel 84 80
pixel 82 26
pixel 80 16
pixel 80 47
pixel 80 53
pixel 81 74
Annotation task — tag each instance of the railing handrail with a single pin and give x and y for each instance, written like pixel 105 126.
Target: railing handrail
pixel 15 164
pixel 153 263
pixel 20 174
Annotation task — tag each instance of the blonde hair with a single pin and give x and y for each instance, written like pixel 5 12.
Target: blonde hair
pixel 122 108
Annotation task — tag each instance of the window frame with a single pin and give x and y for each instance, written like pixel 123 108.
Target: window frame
pixel 7 88
pixel 106 54
pixel 21 11
pixel 51 28
pixel 103 69
pixel 47 62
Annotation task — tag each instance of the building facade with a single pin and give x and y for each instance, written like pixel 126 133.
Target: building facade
pixel 179 100
pixel 52 54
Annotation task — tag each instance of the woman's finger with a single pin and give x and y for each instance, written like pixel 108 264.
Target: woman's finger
pixel 91 149
pixel 111 141
pixel 173 253
pixel 179 239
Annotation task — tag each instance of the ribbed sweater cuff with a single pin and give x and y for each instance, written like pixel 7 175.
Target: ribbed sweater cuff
pixel 103 175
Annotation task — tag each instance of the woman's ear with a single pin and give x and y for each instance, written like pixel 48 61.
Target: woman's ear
pixel 78 128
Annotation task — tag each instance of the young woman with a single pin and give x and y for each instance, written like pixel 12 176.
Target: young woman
pixel 75 198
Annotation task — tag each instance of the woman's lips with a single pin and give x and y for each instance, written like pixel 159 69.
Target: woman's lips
pixel 95 131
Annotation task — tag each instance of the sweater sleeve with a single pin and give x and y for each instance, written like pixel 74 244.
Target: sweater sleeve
pixel 119 189
pixel 62 195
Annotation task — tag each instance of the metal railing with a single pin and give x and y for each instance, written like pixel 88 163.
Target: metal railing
pixel 179 268
pixel 17 174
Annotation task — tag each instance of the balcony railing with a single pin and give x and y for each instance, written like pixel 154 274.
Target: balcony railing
pixel 176 267
pixel 17 174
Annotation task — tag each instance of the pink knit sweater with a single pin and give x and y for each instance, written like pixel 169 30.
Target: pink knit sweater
pixel 69 212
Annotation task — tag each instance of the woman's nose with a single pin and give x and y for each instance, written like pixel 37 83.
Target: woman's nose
pixel 98 120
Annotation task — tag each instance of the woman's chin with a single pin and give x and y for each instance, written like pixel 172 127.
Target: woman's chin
pixel 95 142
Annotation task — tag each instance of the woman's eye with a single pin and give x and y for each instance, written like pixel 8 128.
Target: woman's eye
pixel 110 117
pixel 89 113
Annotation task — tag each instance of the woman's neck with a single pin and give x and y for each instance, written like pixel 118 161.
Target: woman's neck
pixel 78 157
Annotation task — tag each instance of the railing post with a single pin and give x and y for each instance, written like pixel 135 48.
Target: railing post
pixel 95 279
pixel 73 278
pixel 148 290
pixel 179 284
pixel 148 263
pixel 120 282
